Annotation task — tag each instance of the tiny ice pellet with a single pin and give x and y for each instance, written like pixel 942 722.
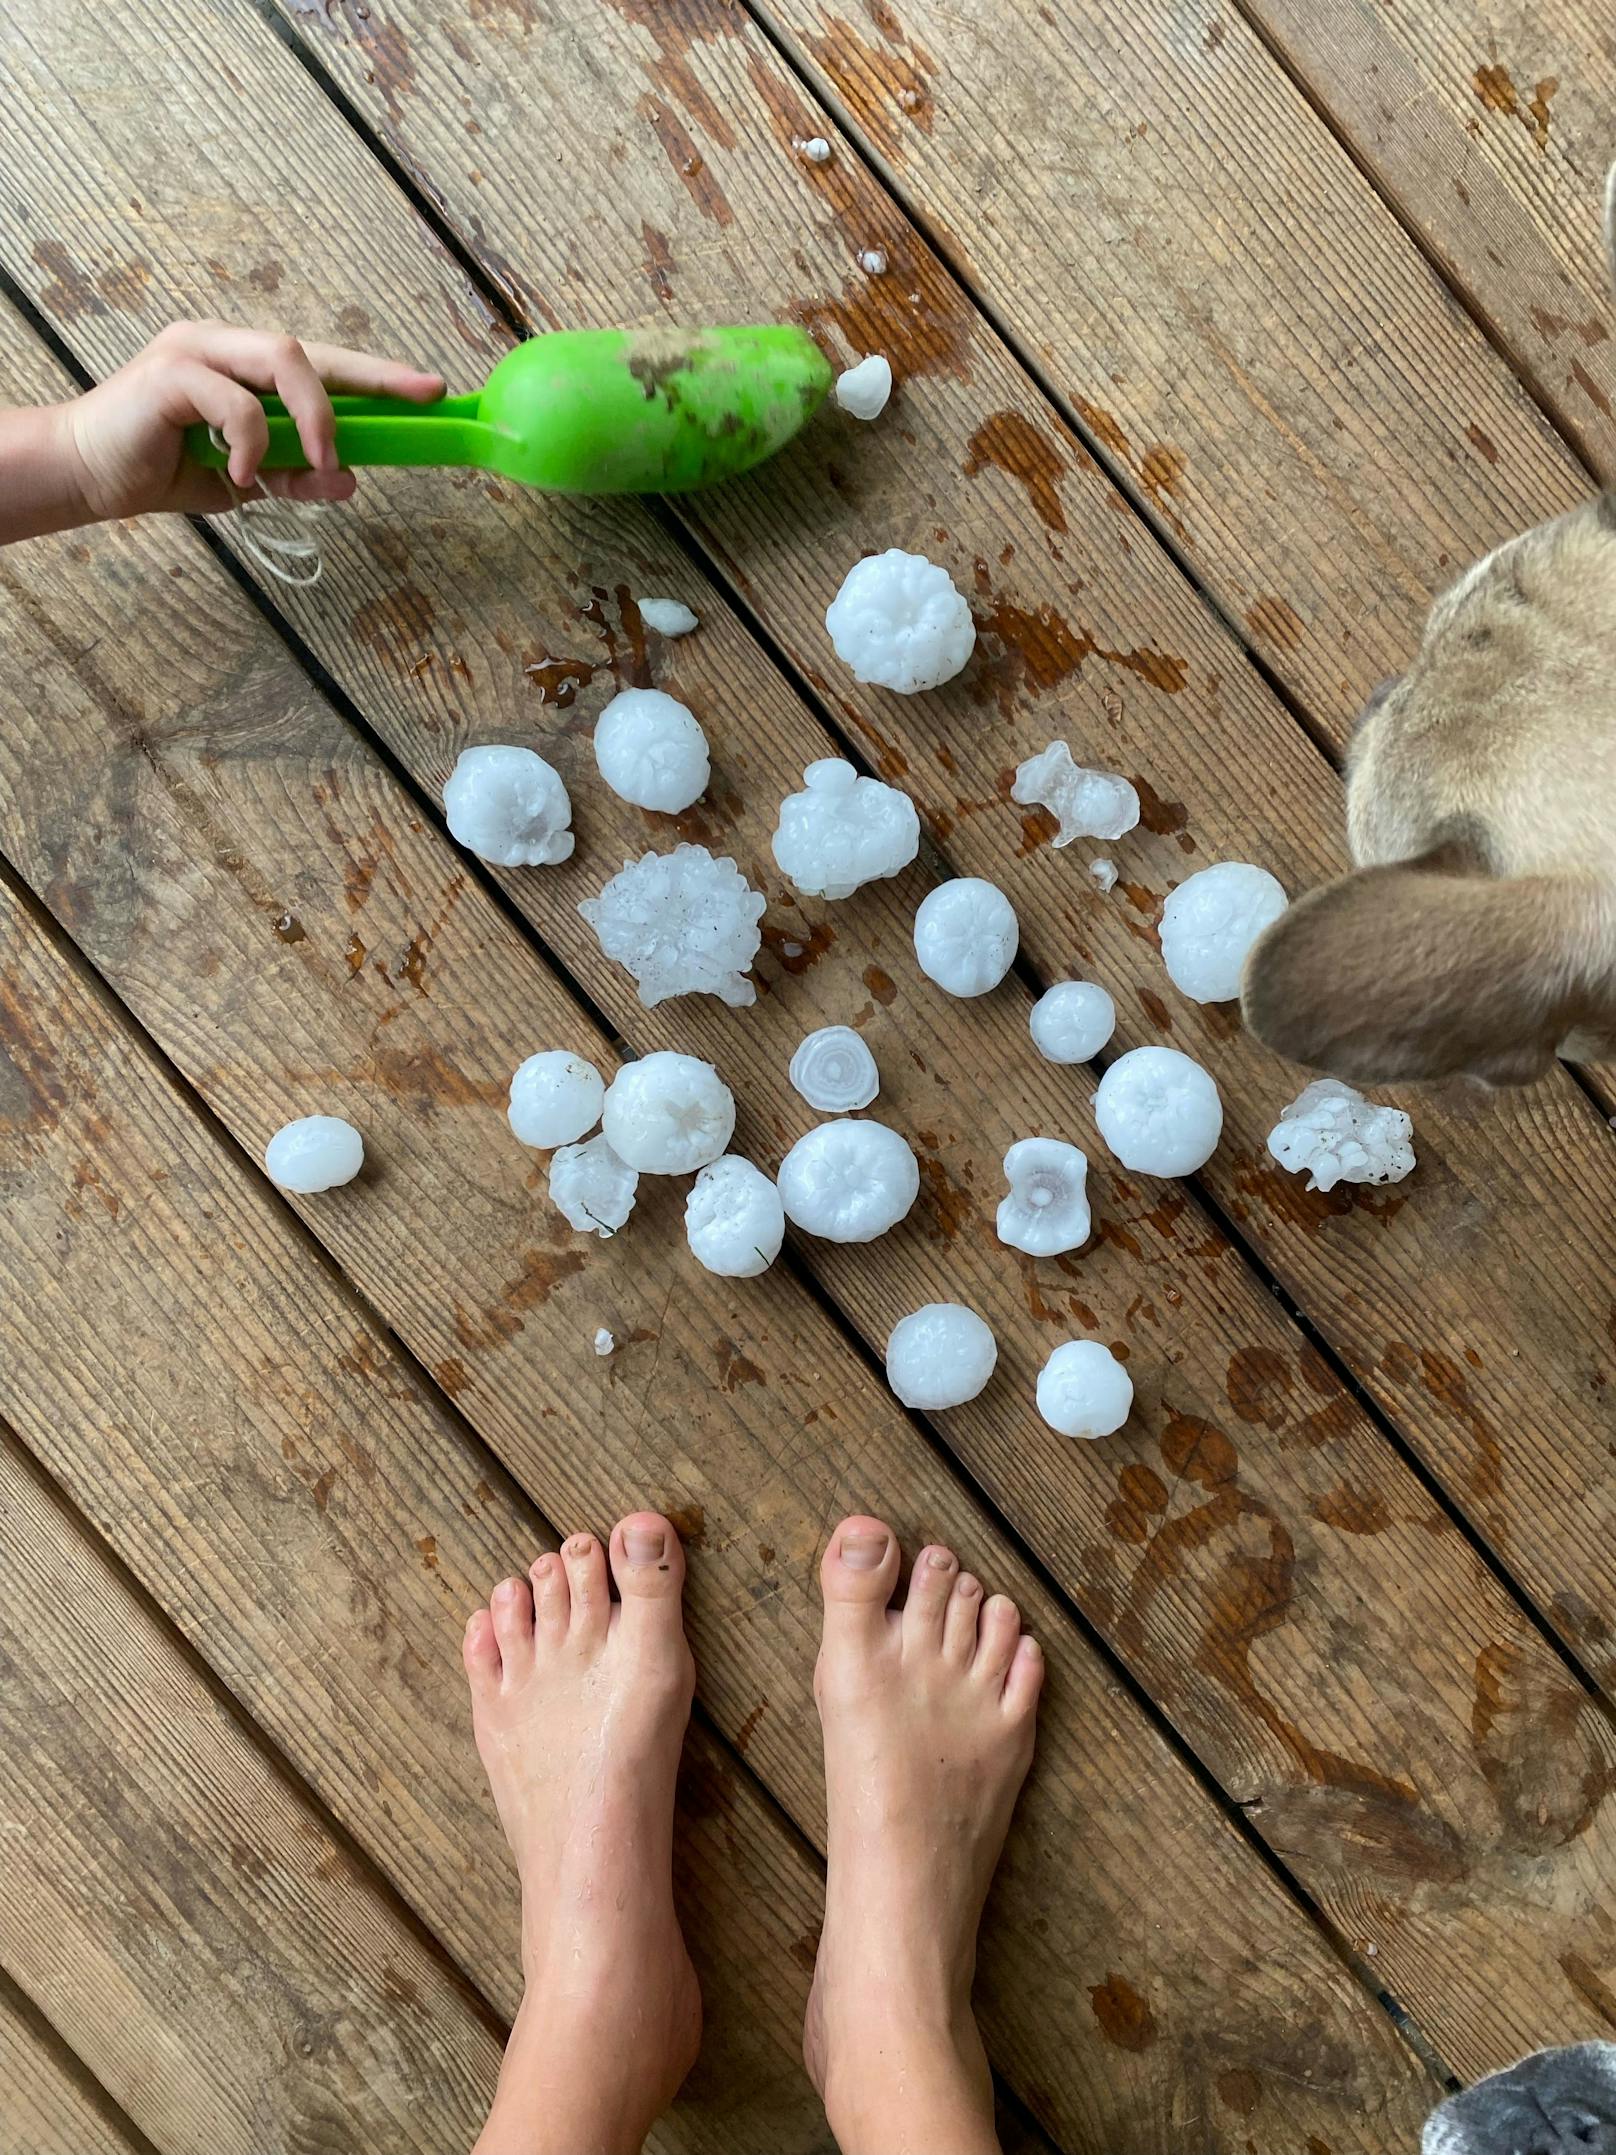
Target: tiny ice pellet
pixel 1210 922
pixel 1159 1112
pixel 317 1152
pixel 1072 1021
pixel 555 1098
pixel 1084 1391
pixel 899 623
pixel 940 1356
pixel 966 935
pixel 651 751
pixel 509 806
pixel 862 391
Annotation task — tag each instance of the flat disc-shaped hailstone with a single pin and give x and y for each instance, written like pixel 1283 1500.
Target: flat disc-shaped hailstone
pixel 1047 1210
pixel 848 1181
pixel 508 806
pixel 592 1188
pixel 940 1356
pixel 1085 803
pixel 1084 1391
pixel 555 1098
pixel 651 751
pixel 966 935
pixel 843 830
pixel 1159 1112
pixel 317 1152
pixel 1072 1021
pixel 1209 924
pixel 1333 1134
pixel 899 623
pixel 683 923
pixel 834 1071
pixel 734 1220
pixel 668 1114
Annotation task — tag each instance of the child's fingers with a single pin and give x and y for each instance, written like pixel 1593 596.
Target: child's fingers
pixel 236 412
pixel 268 361
pixel 363 374
pixel 309 485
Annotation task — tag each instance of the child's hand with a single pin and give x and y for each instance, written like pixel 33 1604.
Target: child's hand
pixel 126 437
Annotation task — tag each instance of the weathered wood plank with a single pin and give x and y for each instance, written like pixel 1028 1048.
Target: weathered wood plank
pixel 193 819
pixel 212 1954
pixel 51 2106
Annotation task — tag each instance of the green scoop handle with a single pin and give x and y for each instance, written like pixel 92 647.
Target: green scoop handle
pixel 588 411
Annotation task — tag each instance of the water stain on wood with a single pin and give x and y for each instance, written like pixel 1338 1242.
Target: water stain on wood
pixel 1274 620
pixel 1009 441
pixel 1352 1511
pixel 735 1368
pixel 69 295
pixel 689 1522
pixel 686 160
pixel 396 624
pixel 798 947
pixel 1123 2015
pixel 1259 1383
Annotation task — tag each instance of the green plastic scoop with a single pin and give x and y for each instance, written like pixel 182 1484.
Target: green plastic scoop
pixel 589 411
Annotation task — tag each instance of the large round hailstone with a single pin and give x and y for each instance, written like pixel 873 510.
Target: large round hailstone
pixel 508 806
pixel 1209 924
pixel 848 1181
pixel 651 751
pixel 668 1114
pixel 734 1220
pixel 317 1152
pixel 592 1188
pixel 683 923
pixel 555 1098
pixel 1159 1112
pixel 1072 1021
pixel 1047 1209
pixel 1084 1391
pixel 940 1356
pixel 966 935
pixel 899 623
pixel 843 830
pixel 835 1071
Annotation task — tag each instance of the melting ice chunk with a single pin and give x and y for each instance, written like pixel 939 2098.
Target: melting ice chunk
pixel 863 390
pixel 555 1098
pixel 1047 1210
pixel 668 1114
pixel 682 923
pixel 1333 1134
pixel 667 617
pixel 834 1070
pixel 604 1341
pixel 899 623
pixel 849 1181
pixel 966 934
pixel 1104 873
pixel 1085 803
pixel 592 1188
pixel 1072 1021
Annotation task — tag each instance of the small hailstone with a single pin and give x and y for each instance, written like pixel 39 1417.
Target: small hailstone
pixel 734 1220
pixel 1086 804
pixel 668 1114
pixel 1072 1021
pixel 1159 1112
pixel 555 1098
pixel 966 935
pixel 667 617
pixel 651 751
pixel 683 923
pixel 816 149
pixel 1210 922
pixel 873 262
pixel 1083 1390
pixel 1104 873
pixel 592 1187
pixel 843 830
pixel 1047 1210
pixel 899 622
pixel 317 1152
pixel 834 1070
pixel 1334 1133
pixel 508 806
pixel 940 1356
pixel 863 390
pixel 604 1341
pixel 848 1181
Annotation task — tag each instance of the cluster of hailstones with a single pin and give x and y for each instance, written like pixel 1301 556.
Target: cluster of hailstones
pixel 687 923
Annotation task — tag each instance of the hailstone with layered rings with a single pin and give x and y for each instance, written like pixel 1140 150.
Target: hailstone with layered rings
pixel 555 1098
pixel 966 935
pixel 1072 1021
pixel 1332 1134
pixel 1085 803
pixel 940 1356
pixel 508 806
pixel 592 1187
pixel 668 1114
pixel 651 751
pixel 899 623
pixel 682 923
pixel 1211 921
pixel 1159 1112
pixel 1084 1391
pixel 835 1071
pixel 848 1181
pixel 842 831
pixel 734 1220
pixel 1047 1210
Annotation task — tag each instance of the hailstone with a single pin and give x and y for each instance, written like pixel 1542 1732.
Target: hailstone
pixel 1047 1210
pixel 555 1098
pixel 508 806
pixel 1104 873
pixel 1210 922
pixel 874 261
pixel 940 1356
pixel 966 935
pixel 842 831
pixel 668 1114
pixel 899 622
pixel 604 1341
pixel 816 149
pixel 1159 1112
pixel 734 1220
pixel 1083 1390
pixel 592 1187
pixel 1087 804
pixel 848 1181
pixel 863 390
pixel 667 617
pixel 1072 1021
pixel 317 1152
pixel 834 1070
pixel 682 923
pixel 1335 1135
pixel 651 751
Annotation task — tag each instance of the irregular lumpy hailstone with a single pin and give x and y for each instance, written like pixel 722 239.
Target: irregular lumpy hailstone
pixel 1085 803
pixel 651 751
pixel 1333 1134
pixel 734 1219
pixel 1209 924
pixel 966 935
pixel 1072 1021
pixel 899 623
pixel 848 1181
pixel 555 1098
pixel 1084 1391
pixel 940 1356
pixel 863 390
pixel 1047 1210
pixel 508 806
pixel 682 923
pixel 843 831
pixel 592 1187
pixel 1159 1112
pixel 834 1070
pixel 667 617
pixel 317 1152
pixel 668 1114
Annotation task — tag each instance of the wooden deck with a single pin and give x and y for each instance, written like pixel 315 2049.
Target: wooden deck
pixel 1226 335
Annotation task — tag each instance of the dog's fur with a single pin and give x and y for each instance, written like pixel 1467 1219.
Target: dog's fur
pixel 1556 2102
pixel 1477 934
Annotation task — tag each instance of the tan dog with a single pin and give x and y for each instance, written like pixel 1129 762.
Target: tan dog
pixel 1478 933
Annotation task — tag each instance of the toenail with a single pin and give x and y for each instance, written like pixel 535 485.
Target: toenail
pixel 580 1545
pixel 541 1565
pixel 1033 1649
pixel 940 1560
pixel 864 1552
pixel 645 1544
pixel 970 1586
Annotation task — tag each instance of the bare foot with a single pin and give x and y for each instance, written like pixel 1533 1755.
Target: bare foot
pixel 579 1705
pixel 928 1719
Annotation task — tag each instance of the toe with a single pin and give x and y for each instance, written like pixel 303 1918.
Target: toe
pixel 997 1633
pixel 930 1585
pixel 480 1652
pixel 959 1620
pixel 649 1567
pixel 585 1563
pixel 552 1602
pixel 857 1575
pixel 512 1608
pixel 1025 1680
